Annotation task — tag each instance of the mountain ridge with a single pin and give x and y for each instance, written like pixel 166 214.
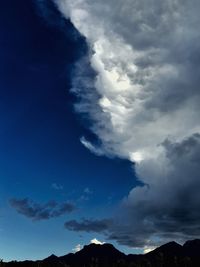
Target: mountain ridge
pixel 170 254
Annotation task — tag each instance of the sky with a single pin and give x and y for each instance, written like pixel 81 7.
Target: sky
pixel 100 132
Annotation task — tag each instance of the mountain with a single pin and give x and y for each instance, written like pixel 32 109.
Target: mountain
pixel 192 248
pixel 168 249
pixel 173 254
pixel 106 255
pixel 94 255
pixel 52 258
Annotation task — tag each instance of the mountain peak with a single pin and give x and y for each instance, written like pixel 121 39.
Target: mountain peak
pixel 102 252
pixel 169 248
pixel 99 247
pixel 52 257
pixel 104 245
pixel 171 244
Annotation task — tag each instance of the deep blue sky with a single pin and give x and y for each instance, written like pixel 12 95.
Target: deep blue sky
pixel 40 132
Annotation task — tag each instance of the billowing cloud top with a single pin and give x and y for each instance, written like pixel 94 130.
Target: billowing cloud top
pixel 144 104
pixel 145 54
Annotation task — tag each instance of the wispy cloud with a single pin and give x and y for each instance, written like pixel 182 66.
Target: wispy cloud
pixel 88 191
pixel 57 186
pixel 37 212
pixel 94 149
pixel 86 195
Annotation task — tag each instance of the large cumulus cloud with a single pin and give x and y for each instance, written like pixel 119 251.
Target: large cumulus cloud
pixel 144 105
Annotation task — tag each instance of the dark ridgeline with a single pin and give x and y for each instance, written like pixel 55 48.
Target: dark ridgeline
pixel 168 255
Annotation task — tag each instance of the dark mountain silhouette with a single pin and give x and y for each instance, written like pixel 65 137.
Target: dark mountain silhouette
pixel 52 258
pixel 192 248
pixel 170 248
pixel 106 255
pixel 93 254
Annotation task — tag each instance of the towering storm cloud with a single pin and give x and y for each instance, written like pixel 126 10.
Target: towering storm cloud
pixel 144 105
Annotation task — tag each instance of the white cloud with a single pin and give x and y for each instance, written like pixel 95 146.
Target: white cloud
pixel 97 151
pixel 77 248
pixel 93 241
pixel 144 79
pixel 148 249
pixel 96 241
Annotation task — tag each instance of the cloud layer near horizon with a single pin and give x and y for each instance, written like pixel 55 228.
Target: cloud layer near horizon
pixel 144 105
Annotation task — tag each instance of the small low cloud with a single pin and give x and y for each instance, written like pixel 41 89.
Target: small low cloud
pixel 92 241
pixel 96 241
pixel 38 212
pixel 57 186
pixel 148 249
pixel 77 248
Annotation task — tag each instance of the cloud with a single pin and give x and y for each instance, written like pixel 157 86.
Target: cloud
pixel 143 102
pixel 77 248
pixel 38 212
pixel 96 241
pixel 97 151
pixel 93 241
pixel 147 74
pixel 148 249
pixel 86 195
pixel 57 186
pixel 165 208
pixel 87 225
pixel 88 191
